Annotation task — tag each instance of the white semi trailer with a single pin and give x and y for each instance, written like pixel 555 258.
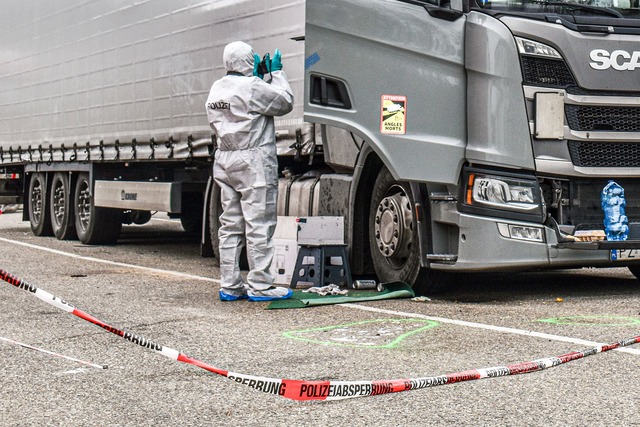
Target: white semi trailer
pixel 452 136
pixel 102 106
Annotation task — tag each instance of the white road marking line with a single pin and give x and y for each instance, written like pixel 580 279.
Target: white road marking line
pixel 51 353
pixel 494 328
pixel 173 221
pixel 104 261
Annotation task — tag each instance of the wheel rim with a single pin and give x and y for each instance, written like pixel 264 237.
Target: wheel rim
pixel 394 227
pixel 84 205
pixel 36 202
pixel 59 205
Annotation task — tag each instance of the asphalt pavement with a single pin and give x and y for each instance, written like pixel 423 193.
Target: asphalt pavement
pixel 154 284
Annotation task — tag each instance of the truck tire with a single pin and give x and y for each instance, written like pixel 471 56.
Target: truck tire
pixel 393 237
pixel 39 215
pixel 94 225
pixel 61 207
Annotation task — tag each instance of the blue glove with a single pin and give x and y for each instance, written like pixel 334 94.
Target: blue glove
pixel 256 66
pixel 276 62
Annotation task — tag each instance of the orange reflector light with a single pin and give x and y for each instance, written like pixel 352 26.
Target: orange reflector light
pixel 469 198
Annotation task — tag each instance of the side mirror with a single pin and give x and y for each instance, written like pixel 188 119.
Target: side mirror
pixel 460 5
pixel 447 13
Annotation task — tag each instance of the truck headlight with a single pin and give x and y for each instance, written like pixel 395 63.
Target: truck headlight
pixel 530 47
pixel 507 196
pixel 501 193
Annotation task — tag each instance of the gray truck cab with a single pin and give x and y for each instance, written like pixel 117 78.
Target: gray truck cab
pixel 507 119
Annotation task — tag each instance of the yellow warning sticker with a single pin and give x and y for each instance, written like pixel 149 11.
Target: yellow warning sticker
pixel 393 114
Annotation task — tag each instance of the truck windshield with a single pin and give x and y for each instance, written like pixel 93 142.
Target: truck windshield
pixel 606 8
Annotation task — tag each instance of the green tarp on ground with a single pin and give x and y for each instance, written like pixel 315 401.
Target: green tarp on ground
pixel 308 299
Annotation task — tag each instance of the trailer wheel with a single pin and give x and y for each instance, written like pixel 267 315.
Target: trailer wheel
pixel 62 218
pixel 393 237
pixel 39 217
pixel 94 225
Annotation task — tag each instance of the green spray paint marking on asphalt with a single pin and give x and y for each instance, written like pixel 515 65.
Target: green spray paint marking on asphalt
pixel 592 320
pixel 379 333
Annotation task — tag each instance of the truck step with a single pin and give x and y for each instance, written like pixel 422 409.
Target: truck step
pixel 442 197
pixel 442 258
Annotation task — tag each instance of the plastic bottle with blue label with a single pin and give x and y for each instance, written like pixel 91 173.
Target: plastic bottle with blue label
pixel 616 223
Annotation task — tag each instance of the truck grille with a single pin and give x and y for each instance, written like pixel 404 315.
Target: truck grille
pixel 547 72
pixel 594 118
pixel 576 90
pixel 601 155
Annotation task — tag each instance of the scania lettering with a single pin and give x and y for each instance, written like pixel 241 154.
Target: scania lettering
pixel 620 60
pixel 451 136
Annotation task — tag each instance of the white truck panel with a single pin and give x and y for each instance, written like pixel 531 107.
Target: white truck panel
pixel 92 70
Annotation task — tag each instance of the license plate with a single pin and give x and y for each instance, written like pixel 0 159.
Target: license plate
pixel 624 254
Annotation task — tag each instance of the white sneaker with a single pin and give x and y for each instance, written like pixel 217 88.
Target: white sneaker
pixel 270 294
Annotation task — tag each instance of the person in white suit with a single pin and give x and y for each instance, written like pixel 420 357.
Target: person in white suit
pixel 241 108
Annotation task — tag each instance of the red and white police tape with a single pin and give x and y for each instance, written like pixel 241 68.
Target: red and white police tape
pixel 322 390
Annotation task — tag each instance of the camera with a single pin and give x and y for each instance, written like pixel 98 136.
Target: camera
pixel 263 69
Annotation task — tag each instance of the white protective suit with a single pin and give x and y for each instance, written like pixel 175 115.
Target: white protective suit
pixel 241 110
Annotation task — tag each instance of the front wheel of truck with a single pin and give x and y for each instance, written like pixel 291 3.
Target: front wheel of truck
pixel 393 237
pixel 94 225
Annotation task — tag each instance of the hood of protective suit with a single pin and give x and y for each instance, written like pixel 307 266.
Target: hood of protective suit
pixel 238 57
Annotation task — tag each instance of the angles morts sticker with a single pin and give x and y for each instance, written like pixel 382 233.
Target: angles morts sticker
pixel 393 114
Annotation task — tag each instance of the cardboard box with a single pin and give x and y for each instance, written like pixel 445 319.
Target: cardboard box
pixel 284 261
pixel 292 231
pixel 320 230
